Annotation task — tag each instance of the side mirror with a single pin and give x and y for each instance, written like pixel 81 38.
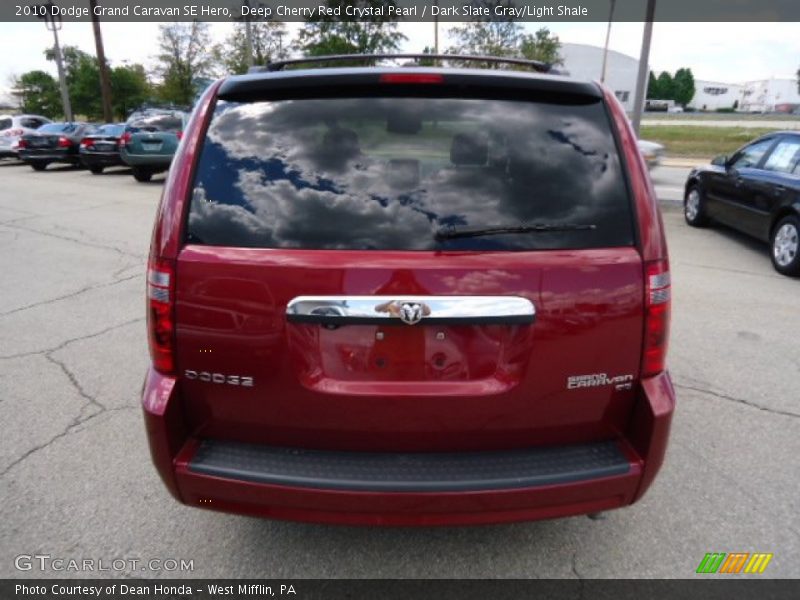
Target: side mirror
pixel 720 161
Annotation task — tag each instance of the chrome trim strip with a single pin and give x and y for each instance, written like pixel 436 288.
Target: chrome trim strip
pixel 400 309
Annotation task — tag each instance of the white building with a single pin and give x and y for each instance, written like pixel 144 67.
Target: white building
pixel 711 95
pixel 586 62
pixel 768 95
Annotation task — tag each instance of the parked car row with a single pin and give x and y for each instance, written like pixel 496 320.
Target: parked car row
pixel 146 142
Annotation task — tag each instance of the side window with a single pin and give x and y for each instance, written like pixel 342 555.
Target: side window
pixel 30 123
pixel 784 158
pixel 749 156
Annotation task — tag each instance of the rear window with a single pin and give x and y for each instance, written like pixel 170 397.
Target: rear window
pixel 393 173
pixel 6 123
pixel 58 128
pixel 109 130
pixel 158 123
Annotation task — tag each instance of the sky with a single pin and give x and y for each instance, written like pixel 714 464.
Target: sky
pixel 725 52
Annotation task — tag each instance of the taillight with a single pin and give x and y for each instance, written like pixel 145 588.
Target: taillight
pixel 411 78
pixel 22 144
pixel 124 139
pixel 179 135
pixel 64 142
pixel 87 142
pixel 658 291
pixel 160 320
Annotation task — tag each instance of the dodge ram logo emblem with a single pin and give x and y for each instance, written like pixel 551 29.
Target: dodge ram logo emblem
pixel 410 312
pixel 407 311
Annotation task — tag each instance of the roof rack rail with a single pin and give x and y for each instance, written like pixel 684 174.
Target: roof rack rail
pixel 538 66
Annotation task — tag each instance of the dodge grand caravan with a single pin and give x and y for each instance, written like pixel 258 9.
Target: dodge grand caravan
pixel 408 296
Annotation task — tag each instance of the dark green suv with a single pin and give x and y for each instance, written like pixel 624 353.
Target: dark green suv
pixel 150 141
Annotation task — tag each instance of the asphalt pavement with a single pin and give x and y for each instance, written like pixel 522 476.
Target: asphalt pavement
pixel 76 480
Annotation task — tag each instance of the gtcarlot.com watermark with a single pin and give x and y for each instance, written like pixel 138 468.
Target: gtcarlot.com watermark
pixel 60 564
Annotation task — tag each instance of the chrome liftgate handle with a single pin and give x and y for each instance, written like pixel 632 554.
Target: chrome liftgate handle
pixel 410 310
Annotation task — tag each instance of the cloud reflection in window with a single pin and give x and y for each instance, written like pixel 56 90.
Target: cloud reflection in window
pixel 344 174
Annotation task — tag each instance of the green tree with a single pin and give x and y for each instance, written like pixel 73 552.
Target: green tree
pixel 83 81
pixel 39 94
pixel 653 89
pixel 486 38
pixel 130 88
pixel 184 55
pixel 427 62
pixel 541 46
pixel 370 35
pixel 268 45
pixel 665 86
pixel 683 86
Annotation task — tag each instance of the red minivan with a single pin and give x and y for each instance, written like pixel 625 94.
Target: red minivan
pixel 408 296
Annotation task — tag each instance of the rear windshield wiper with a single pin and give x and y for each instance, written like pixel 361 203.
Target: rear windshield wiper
pixel 449 233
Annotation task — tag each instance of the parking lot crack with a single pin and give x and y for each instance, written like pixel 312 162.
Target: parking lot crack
pixel 119 251
pixel 578 576
pixel 30 215
pixel 72 426
pixel 741 401
pixel 83 290
pixel 66 343
pixel 73 379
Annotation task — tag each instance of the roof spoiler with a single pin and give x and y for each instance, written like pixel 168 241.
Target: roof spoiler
pixel 535 65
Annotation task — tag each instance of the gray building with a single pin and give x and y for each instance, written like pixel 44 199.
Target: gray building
pixel 586 62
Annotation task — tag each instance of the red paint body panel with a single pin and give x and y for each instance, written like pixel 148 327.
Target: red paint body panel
pixel 653 409
pixel 498 386
pixel 418 389
pixel 652 241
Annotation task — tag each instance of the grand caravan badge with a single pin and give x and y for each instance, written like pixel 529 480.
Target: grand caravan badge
pixel 620 382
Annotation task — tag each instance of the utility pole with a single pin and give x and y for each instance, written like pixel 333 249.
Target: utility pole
pixel 105 82
pixel 436 32
pixel 280 35
pixel 53 23
pixel 644 68
pixel 608 37
pixel 248 31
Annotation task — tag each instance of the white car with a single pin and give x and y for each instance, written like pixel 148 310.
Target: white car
pixel 13 127
pixel 653 152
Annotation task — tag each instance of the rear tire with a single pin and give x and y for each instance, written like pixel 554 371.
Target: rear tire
pixel 38 165
pixel 142 175
pixel 694 207
pixel 96 170
pixel 785 246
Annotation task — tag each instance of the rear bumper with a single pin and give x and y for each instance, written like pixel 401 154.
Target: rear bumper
pixel 49 156
pixel 101 159
pixel 155 161
pixel 372 489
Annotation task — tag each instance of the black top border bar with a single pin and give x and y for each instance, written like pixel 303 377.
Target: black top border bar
pixel 445 11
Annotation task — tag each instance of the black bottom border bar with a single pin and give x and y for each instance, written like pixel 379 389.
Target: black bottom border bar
pixel 707 587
